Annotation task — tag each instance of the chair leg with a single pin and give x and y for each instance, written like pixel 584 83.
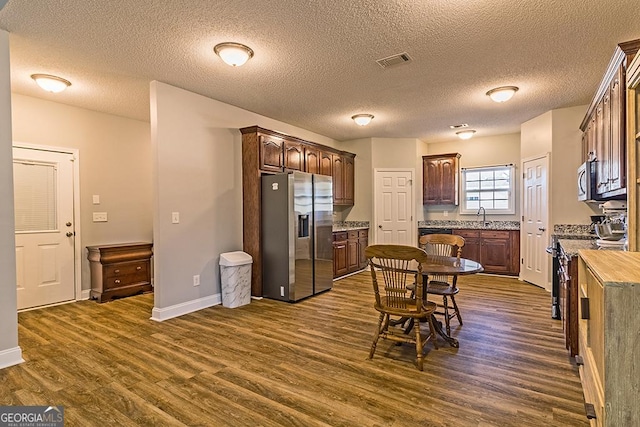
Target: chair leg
pixel 419 346
pixel 379 330
pixel 455 306
pixel 445 304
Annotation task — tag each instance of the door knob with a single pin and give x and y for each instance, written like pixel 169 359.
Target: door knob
pixel 541 229
pixel 69 233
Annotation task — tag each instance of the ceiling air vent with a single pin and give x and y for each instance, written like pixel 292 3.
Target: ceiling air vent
pixel 392 60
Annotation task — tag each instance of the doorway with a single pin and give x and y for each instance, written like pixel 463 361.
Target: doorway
pixel 394 201
pixel 535 222
pixel 47 237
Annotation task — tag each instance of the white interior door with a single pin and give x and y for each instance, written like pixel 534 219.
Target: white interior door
pixel 534 233
pixel 44 220
pixel 394 201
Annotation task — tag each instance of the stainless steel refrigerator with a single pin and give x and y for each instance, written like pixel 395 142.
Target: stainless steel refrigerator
pixel 297 225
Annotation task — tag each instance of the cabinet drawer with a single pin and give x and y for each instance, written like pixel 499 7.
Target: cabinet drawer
pixel 467 233
pixel 493 234
pixel 363 233
pixel 125 280
pixel 126 269
pixel 352 234
pixel 340 236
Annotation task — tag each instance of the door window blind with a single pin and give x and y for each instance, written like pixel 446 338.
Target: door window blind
pixel 34 196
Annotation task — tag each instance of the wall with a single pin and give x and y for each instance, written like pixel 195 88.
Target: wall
pixel 10 353
pixel 115 163
pixel 196 151
pixel 566 156
pixel 488 151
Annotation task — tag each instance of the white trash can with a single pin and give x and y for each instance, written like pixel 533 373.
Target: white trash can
pixel 235 277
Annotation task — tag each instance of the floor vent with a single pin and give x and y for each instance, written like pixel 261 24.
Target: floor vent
pixel 392 60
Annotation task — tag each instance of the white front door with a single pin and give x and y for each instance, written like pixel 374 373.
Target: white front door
pixel 44 221
pixel 535 212
pixel 394 198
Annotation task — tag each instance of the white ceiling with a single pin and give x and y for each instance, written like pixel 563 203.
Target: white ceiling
pixel 314 65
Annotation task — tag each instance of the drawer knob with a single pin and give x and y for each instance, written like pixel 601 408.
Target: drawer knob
pixel 138 268
pixel 116 271
pixel 117 281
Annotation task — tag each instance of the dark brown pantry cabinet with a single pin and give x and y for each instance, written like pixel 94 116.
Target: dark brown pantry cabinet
pixel 440 179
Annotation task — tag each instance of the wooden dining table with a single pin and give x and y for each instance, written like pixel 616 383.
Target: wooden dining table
pixel 443 265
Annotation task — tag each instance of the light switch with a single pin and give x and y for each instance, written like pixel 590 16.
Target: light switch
pixel 96 199
pixel 175 217
pixel 99 217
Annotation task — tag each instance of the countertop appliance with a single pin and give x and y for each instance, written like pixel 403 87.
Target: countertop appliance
pixel 587 181
pixel 297 235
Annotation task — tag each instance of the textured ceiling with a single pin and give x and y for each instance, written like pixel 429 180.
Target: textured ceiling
pixel 314 65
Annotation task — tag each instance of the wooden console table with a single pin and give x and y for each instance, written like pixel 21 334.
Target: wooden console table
pixel 120 270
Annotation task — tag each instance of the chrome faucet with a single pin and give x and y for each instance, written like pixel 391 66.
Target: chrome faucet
pixel 484 215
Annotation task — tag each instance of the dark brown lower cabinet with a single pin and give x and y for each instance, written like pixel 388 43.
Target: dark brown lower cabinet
pixel 497 250
pixel 348 251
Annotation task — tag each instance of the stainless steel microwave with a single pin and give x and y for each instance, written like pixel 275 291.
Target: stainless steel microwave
pixel 587 181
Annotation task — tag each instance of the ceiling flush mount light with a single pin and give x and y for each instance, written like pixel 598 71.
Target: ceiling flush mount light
pixel 362 119
pixel 502 94
pixel 234 54
pixel 465 134
pixel 51 83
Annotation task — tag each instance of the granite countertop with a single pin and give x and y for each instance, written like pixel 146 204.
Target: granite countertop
pixel 493 225
pixel 572 246
pixel 350 225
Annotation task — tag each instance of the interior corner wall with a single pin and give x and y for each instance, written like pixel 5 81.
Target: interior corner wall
pixel 10 353
pixel 115 164
pixel 536 136
pixel 197 172
pixel 566 156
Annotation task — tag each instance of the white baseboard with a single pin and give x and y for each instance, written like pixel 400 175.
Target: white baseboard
pixel 85 294
pixel 10 357
pixel 162 314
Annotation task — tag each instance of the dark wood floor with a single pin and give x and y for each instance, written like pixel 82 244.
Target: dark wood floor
pixel 271 364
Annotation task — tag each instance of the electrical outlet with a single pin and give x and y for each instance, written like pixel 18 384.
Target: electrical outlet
pixel 445 213
pixel 99 217
pixel 196 280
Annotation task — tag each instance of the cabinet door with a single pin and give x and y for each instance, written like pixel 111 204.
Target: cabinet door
pixel 340 266
pixel 617 165
pixel 448 181
pixel 338 179
pixel 293 155
pixel 353 256
pixel 349 180
pixel 431 186
pixel 363 242
pixel 311 160
pixel 471 248
pixel 495 255
pixel 602 148
pixel 326 164
pixel 271 154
